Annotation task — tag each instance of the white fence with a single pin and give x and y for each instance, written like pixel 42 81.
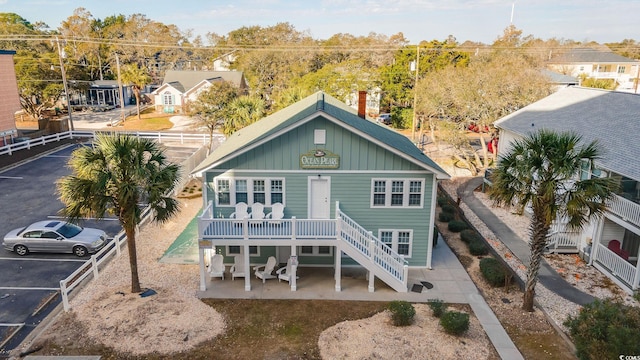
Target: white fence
pixel 611 263
pixel 159 136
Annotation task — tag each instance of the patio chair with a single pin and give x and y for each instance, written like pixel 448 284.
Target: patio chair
pixel 257 211
pixel 614 245
pixel 267 269
pixel 237 269
pixel 285 272
pixel 277 212
pixel 241 211
pixel 216 267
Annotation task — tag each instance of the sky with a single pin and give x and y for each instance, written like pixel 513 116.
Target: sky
pixel 481 20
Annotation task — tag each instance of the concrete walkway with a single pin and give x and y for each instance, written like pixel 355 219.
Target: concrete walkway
pixel 547 276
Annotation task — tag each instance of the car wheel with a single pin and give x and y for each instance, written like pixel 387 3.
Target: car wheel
pixel 21 250
pixel 80 251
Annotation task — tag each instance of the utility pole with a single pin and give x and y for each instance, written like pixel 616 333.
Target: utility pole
pixel 120 90
pixel 415 94
pixel 64 84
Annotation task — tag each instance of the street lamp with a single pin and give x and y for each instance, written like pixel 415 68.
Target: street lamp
pixel 64 83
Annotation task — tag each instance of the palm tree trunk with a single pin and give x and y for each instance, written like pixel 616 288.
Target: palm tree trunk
pixel 133 259
pixel 539 231
pixel 136 91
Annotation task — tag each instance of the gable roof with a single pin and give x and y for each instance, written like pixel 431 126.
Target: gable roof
pixel 612 118
pixel 189 79
pixel 588 55
pixel 307 109
pixel 560 79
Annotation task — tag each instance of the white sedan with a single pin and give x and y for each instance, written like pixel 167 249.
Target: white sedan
pixel 55 236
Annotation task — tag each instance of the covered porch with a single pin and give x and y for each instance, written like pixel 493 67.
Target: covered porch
pixel 617 251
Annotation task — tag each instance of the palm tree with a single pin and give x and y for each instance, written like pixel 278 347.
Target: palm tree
pixel 543 170
pixel 243 111
pixel 114 176
pixel 138 78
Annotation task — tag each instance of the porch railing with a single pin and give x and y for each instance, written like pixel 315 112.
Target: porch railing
pixel 616 266
pixel 626 209
pixel 563 239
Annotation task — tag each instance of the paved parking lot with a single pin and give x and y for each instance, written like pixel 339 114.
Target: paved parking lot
pixel 29 285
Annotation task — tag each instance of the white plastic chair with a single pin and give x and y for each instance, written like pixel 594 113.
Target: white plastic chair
pixel 285 272
pixel 277 212
pixel 267 269
pixel 257 211
pixel 216 267
pixel 241 211
pixel 237 269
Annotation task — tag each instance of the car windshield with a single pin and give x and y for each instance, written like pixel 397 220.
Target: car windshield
pixel 69 230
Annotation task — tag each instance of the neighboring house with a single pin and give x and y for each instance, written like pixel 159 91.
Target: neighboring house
pixel 598 65
pixel 180 87
pixel 611 118
pixel 105 93
pixel 10 102
pixel 560 81
pixel 355 193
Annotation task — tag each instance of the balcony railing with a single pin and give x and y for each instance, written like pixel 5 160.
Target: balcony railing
pixel 616 266
pixel 628 210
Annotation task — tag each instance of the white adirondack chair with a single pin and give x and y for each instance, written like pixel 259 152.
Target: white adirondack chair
pixel 257 211
pixel 216 267
pixel 237 269
pixel 241 211
pixel 277 212
pixel 285 272
pixel 265 272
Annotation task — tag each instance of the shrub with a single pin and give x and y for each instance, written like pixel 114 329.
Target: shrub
pixel 477 247
pixel 445 217
pixel 457 225
pixel 454 322
pixel 605 329
pixel 448 208
pixel 469 235
pixel 493 271
pixel 402 312
pixel 438 307
pixel 442 200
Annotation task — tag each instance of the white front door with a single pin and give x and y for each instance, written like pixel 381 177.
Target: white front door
pixel 319 197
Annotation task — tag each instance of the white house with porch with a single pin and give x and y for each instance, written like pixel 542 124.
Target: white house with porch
pixel 612 242
pixel 315 185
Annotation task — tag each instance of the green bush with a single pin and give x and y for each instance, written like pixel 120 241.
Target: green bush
pixel 445 217
pixel 402 312
pixel 457 225
pixel 477 247
pixel 605 330
pixel 454 322
pixel 448 208
pixel 469 235
pixel 493 271
pixel 442 200
pixel 437 307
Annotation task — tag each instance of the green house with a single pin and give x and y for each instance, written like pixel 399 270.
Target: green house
pixel 315 185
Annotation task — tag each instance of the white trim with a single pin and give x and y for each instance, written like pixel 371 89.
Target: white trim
pixel 250 197
pixel 394 240
pixel 430 239
pixel 327 171
pixel 405 193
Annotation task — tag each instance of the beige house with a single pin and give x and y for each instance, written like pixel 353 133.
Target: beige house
pixel 181 87
pixel 9 98
pixel 598 64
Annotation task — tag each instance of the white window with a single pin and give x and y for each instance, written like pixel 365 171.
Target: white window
pixel 397 193
pixel 398 240
pixel 167 98
pixel 319 136
pixel 237 249
pixel 315 250
pixel 231 191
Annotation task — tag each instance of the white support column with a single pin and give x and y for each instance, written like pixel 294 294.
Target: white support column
pixel 372 259
pixel 294 269
pixel 203 272
pixel 247 266
pixel 338 268
pixel 372 278
pixel 636 279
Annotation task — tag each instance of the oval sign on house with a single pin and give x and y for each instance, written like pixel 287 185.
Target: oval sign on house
pixel 319 159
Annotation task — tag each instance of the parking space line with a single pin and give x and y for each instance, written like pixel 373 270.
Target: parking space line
pixel 59 156
pixel 27 288
pixel 12 177
pixel 40 259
